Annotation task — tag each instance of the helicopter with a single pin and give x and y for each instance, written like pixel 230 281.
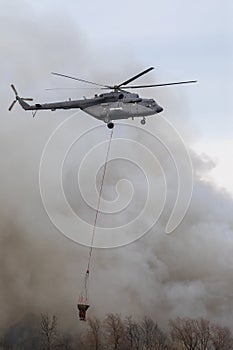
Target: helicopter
pixel 107 107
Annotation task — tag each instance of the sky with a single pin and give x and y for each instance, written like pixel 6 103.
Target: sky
pixel 188 274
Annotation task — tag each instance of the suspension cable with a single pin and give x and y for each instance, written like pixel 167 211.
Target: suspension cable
pixel 98 205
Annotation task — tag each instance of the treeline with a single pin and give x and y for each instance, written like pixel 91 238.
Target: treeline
pixel 116 333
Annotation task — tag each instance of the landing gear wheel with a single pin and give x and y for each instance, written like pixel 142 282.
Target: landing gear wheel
pixel 110 125
pixel 143 121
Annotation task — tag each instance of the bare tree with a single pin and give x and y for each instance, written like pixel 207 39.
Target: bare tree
pixel 194 334
pixel 160 340
pixel 221 338
pixel 202 327
pixel 152 336
pixel 114 334
pixel 133 333
pixel 183 331
pixel 94 333
pixel 114 329
pixel 48 328
pixel 137 335
pixel 149 328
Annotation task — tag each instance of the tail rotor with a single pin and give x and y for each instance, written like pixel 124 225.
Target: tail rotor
pixel 12 105
pixel 17 98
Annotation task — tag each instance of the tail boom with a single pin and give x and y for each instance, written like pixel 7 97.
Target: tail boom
pixel 24 104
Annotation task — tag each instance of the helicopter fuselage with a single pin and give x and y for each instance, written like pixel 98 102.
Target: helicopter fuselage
pixel 106 107
pixel 121 105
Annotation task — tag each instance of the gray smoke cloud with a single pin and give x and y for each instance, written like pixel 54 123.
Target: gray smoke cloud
pixel 188 273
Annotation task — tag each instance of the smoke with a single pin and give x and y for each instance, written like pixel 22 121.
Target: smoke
pixel 188 273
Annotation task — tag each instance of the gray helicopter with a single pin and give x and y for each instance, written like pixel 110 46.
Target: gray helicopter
pixel 109 106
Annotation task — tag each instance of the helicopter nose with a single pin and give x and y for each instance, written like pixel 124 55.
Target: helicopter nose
pixel 159 109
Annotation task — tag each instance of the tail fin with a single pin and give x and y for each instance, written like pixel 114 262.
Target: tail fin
pixel 23 103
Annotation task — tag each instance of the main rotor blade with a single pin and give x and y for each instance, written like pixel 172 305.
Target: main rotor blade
pixel 136 76
pixel 84 81
pixel 12 105
pixel 74 88
pixel 157 85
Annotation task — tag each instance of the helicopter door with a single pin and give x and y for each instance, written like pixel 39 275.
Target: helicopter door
pixel 134 109
pixel 122 110
pixel 104 113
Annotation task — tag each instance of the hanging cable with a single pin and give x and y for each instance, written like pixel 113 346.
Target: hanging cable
pixel 83 303
pixel 99 199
